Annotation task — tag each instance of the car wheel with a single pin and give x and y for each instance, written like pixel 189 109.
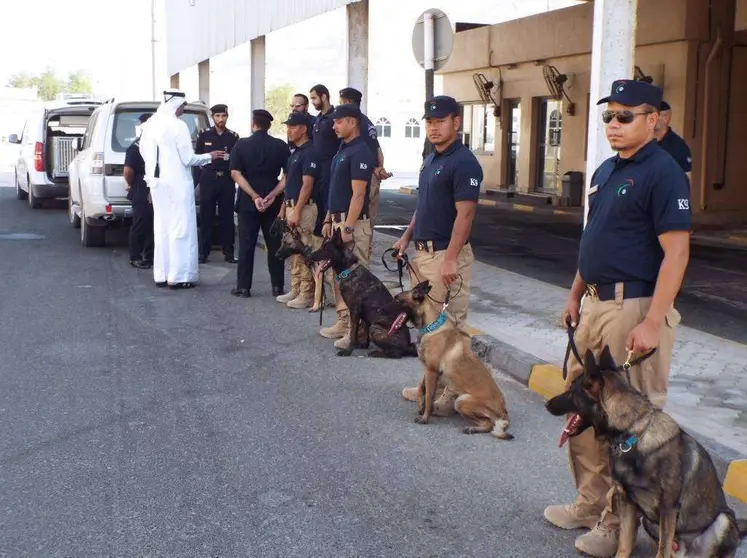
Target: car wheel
pixel 34 203
pixel 20 194
pixel 91 237
pixel 74 219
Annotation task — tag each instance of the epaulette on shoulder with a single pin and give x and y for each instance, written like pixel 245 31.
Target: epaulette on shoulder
pixel 234 134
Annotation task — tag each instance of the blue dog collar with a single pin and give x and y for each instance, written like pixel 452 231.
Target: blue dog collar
pixel 628 444
pixel 430 328
pixel 344 274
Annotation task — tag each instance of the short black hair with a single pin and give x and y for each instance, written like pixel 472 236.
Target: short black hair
pixel 261 122
pixel 320 90
pixel 304 97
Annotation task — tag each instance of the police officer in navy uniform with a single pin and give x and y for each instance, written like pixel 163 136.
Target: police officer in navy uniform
pixel 256 164
pixel 670 142
pixel 448 192
pixel 216 185
pixel 632 259
pixel 141 230
pixel 300 104
pixel 327 143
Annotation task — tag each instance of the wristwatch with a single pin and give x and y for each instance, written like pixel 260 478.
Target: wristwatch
pixel 348 230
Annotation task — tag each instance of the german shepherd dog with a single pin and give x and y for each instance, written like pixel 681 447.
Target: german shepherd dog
pixel 447 355
pixel 290 245
pixel 370 304
pixel 659 471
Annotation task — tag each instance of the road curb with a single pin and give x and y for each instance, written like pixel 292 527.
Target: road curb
pixel 524 208
pixel 547 380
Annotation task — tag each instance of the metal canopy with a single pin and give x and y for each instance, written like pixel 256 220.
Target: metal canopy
pixel 199 29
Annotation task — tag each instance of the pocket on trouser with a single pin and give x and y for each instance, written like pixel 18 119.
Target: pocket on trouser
pixel 362 239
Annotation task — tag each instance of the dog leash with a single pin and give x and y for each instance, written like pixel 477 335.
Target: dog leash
pixel 403 261
pixel 629 363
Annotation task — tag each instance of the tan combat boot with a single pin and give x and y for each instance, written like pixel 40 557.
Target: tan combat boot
pixel 305 298
pixel 600 542
pixel 573 516
pixel 287 297
pixel 338 329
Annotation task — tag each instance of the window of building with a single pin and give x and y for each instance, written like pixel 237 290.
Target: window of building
pixel 512 145
pixel 478 128
pixel 548 139
pixel 383 128
pixel 412 128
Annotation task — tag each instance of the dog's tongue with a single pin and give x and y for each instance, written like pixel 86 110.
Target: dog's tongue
pixel 398 322
pixel 570 427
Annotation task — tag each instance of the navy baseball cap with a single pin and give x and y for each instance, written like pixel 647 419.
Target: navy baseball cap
pixel 632 93
pixel 441 106
pixel 346 111
pixel 262 113
pixel 144 117
pixel 297 119
pixel 352 94
pixel 665 106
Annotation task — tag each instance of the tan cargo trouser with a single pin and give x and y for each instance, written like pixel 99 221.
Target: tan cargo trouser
pixel 362 238
pixel 428 267
pixel 609 323
pixel 302 278
pixel 373 209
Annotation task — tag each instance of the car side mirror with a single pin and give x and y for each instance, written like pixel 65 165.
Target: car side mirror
pixel 79 144
pixel 13 138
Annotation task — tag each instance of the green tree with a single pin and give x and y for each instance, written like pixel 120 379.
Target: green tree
pixel 21 81
pixel 79 82
pixel 49 85
pixel 277 102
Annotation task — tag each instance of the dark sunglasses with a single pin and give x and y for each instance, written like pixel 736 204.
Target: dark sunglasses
pixel 623 116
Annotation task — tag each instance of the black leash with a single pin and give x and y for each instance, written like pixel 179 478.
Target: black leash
pixel 403 261
pixel 572 348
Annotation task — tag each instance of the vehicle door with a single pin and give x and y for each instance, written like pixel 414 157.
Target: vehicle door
pixel 20 165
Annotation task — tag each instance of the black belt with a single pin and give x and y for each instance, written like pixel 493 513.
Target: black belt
pixel 631 289
pixel 341 217
pixel 432 245
pixel 293 203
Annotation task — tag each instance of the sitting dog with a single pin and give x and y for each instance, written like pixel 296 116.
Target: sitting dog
pixel 447 355
pixel 658 470
pixel 369 302
pixel 290 245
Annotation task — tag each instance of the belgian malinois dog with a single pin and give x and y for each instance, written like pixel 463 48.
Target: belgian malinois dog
pixel 370 304
pixel 659 471
pixel 291 244
pixel 447 355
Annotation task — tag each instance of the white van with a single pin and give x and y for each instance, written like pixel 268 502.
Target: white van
pixel 98 198
pixel 47 146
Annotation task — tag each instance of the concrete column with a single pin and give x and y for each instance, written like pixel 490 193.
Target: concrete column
pixel 357 53
pixel 203 81
pixel 612 57
pixel 174 82
pixel 257 89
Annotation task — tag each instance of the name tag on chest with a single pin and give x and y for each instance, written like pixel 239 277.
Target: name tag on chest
pixel 208 143
pixel 594 189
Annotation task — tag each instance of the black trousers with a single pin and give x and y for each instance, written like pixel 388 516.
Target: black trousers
pixel 221 191
pixel 250 221
pixel 141 230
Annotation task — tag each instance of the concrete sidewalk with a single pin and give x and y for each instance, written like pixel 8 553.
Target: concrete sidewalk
pixel 515 322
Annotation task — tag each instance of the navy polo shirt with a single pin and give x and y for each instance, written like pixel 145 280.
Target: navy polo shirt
pixel 445 178
pixel 632 202
pixel 677 148
pixel 325 139
pixel 352 162
pixel 303 162
pixel 368 132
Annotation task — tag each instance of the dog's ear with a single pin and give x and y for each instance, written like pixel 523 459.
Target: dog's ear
pixel 337 236
pixel 606 361
pixel 421 290
pixel 591 369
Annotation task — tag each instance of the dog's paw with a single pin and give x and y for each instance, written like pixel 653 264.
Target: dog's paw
pixel 420 420
pixel 345 352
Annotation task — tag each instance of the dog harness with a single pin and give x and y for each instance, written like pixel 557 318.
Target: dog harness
pixel 430 328
pixel 345 273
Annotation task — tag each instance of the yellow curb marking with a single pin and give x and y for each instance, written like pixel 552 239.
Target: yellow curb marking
pixel 472 331
pixel 522 207
pixel 547 380
pixel 735 483
pixel 491 203
pixel 738 239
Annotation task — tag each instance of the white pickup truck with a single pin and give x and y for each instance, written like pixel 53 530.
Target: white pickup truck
pixel 98 199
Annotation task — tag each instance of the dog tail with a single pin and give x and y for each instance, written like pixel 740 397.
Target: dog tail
pixel 742 528
pixel 499 430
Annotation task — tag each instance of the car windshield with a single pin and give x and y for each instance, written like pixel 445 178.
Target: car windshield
pixel 127 122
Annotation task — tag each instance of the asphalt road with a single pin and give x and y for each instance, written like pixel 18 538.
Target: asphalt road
pixel 141 421
pixel 713 298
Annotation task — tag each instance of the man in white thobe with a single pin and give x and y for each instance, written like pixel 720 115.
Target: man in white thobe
pixel 166 142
